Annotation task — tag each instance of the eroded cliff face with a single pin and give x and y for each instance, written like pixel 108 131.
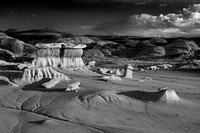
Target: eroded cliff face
pixel 37 73
pixel 63 55
pixel 50 56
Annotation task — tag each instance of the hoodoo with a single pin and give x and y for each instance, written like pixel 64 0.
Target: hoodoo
pixel 37 73
pixel 52 55
pixel 128 71
pixel 59 54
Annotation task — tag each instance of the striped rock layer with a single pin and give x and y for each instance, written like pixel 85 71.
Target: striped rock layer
pixel 66 56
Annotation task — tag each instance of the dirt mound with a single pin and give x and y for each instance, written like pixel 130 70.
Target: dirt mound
pixel 159 96
pixel 146 49
pixel 93 53
pixel 156 51
pixel 17 47
pixel 104 97
pixel 181 47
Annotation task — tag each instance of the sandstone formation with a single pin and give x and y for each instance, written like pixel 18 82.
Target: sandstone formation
pixel 91 64
pixel 103 70
pixel 153 68
pixel 50 56
pixel 74 86
pixel 111 78
pixel 118 72
pixel 128 71
pixel 34 74
pixel 59 54
pixel 165 95
pixel 169 96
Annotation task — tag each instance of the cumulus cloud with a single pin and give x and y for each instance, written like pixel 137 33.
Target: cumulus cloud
pixel 186 22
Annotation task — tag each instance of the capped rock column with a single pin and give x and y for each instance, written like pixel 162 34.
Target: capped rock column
pixel 59 54
pixel 128 73
pixel 70 56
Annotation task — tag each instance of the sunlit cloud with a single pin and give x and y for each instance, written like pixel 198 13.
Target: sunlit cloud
pixel 187 21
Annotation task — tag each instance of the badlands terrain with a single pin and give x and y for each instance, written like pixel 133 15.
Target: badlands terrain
pixel 56 82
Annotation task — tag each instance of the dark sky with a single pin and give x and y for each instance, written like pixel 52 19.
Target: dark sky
pixel 121 17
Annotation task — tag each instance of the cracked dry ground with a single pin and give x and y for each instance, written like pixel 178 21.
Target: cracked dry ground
pixel 98 107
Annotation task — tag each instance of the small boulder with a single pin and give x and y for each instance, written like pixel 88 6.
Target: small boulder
pixel 91 64
pixel 111 78
pixel 73 86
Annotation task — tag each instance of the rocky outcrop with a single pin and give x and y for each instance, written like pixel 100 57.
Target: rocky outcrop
pixel 111 78
pixel 16 47
pixel 34 74
pixel 165 95
pixel 181 47
pixel 74 86
pixel 128 72
pixel 50 56
pixel 91 64
pixel 59 54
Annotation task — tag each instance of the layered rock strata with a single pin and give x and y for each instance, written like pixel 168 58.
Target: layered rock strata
pixel 50 56
pixel 35 74
pixel 128 72
pixel 59 54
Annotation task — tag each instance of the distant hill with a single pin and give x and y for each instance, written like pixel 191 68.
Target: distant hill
pixel 46 35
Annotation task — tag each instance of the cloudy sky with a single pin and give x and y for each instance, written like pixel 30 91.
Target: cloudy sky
pixel 119 17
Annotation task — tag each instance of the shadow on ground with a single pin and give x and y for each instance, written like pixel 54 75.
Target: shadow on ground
pixel 144 96
pixel 37 86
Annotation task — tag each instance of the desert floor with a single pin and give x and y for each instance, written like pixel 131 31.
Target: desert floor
pixel 126 106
